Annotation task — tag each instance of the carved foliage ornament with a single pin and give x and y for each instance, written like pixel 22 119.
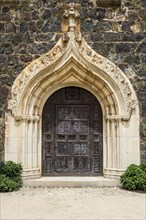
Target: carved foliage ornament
pixel 29 72
pixel 72 38
pixel 114 72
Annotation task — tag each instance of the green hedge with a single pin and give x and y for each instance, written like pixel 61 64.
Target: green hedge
pixel 10 176
pixel 134 177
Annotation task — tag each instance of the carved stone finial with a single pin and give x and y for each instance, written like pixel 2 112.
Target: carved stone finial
pixel 71 21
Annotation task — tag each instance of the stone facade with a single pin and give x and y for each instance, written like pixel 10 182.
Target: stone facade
pixel 29 30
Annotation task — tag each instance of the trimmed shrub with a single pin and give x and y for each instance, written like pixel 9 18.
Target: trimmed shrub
pixel 134 178
pixel 10 176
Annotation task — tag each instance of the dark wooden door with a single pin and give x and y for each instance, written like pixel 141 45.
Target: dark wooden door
pixel 72 133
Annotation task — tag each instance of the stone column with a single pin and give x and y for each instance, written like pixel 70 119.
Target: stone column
pixel 113 147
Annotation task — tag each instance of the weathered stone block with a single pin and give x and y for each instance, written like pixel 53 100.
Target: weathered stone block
pixel 35 15
pixel 5 10
pixel 109 3
pixel 132 16
pixel 100 13
pixel 96 36
pixel 143 58
pixel 26 15
pixel 32 26
pixel 141 48
pixel 16 39
pixel 18 69
pixel 25 58
pixel 39 48
pixel 126 26
pixel 87 25
pixel 141 95
pixel 101 48
pixel 40 24
pixel 84 12
pixel 113 37
pixel 143 2
pixel 127 4
pixel 23 27
pixel 143 107
pixel 4 92
pixel 6 49
pixel 142 70
pixel 2 27
pixel 92 13
pixel 102 27
pixel 142 13
pixel 46 14
pixel 122 48
pixel 10 27
pixel 132 59
pixel 55 27
pixel 28 38
pixel 5 17
pixel 133 37
pixel 3 58
pixel 44 37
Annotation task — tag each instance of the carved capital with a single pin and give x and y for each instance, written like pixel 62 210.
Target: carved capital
pixel 12 105
pixel 27 118
pixel 117 117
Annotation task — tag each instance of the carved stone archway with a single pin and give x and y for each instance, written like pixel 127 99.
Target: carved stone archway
pixel 72 63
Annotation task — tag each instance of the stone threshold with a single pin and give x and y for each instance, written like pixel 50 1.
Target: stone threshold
pixel 72 182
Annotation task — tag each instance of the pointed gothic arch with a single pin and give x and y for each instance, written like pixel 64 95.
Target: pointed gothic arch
pixel 72 62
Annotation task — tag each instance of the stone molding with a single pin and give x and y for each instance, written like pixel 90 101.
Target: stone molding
pixel 27 118
pixel 117 117
pixel 72 41
pixel 67 41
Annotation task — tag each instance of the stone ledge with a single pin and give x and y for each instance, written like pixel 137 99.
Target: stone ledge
pixel 72 182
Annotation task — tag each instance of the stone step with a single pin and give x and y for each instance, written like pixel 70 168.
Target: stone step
pixel 72 182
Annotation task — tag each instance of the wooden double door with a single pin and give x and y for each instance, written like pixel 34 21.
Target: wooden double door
pixel 72 134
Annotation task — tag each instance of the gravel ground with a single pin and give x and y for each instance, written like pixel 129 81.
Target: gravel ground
pixel 73 203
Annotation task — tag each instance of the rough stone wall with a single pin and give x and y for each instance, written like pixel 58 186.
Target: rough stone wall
pixel 28 30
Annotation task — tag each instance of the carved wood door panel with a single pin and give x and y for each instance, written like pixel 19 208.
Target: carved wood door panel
pixel 72 138
pixel 72 134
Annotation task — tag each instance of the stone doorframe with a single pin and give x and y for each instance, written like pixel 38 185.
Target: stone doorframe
pixel 72 63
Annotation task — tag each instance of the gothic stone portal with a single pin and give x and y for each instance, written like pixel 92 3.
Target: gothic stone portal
pixel 72 118
pixel 72 133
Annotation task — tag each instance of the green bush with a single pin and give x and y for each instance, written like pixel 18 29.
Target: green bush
pixel 11 169
pixel 10 176
pixel 143 167
pixel 134 178
pixel 9 185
